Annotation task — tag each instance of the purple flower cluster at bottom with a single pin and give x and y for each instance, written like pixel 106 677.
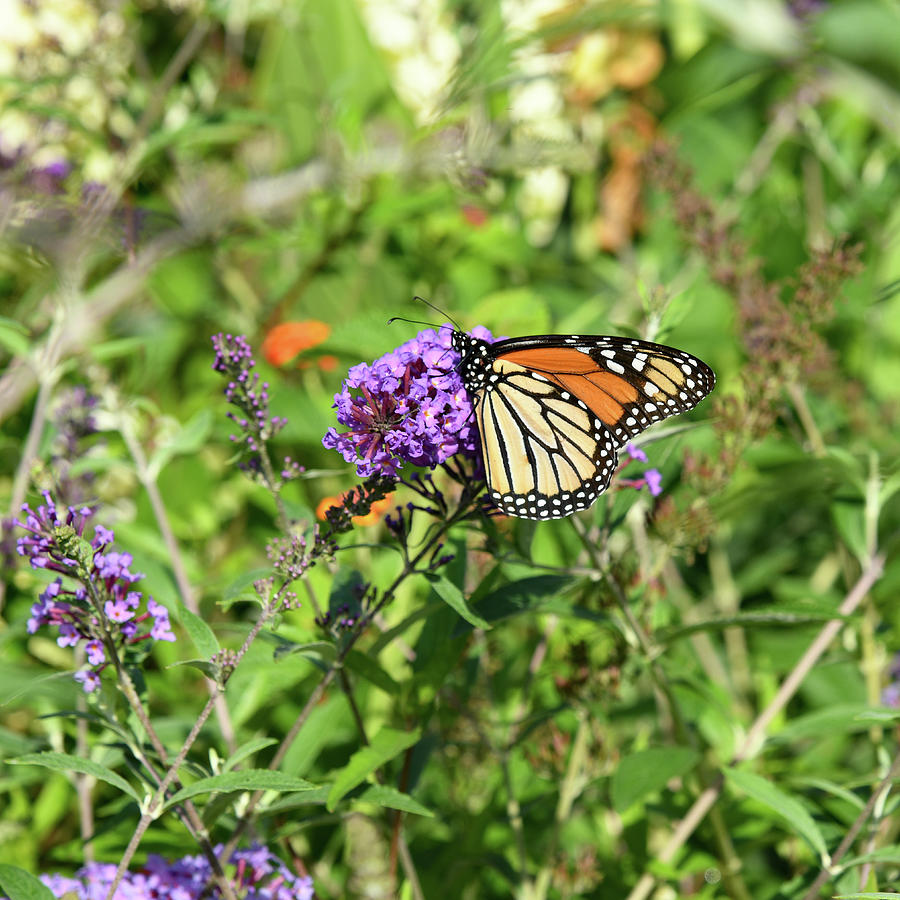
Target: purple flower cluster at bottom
pixel 256 874
pixel 408 406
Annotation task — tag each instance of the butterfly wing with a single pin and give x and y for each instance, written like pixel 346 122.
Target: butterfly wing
pixel 627 384
pixel 545 454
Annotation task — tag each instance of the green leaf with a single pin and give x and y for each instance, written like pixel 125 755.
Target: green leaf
pixel 889 488
pixel 850 521
pixel 783 614
pixel 18 884
pixel 244 780
pixel 878 895
pixel 382 795
pixel 647 771
pixel 889 855
pixel 830 787
pixel 13 336
pixel 763 791
pixel 885 714
pixel 367 668
pixel 453 597
pixel 202 665
pixel 319 653
pixel 189 438
pixel 242 587
pixel 836 719
pixel 64 762
pixel 200 633
pixel 526 595
pixel 387 744
pixel 107 351
pixel 248 749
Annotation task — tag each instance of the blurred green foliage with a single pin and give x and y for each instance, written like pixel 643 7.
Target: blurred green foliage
pixel 720 176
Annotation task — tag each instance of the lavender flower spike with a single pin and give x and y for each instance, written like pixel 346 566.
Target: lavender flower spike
pixel 408 406
pixel 102 609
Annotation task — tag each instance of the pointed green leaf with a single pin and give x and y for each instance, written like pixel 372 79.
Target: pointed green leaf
pixel 64 762
pixel 18 884
pixel 387 744
pixel 246 750
pixel 203 665
pixel 836 719
pixel 13 336
pixel 367 668
pixel 242 587
pixel 889 855
pixel 319 653
pixel 245 780
pixel 648 771
pixel 878 895
pixel 189 438
pixel 763 791
pixel 889 488
pixel 382 795
pixel 200 633
pixel 453 597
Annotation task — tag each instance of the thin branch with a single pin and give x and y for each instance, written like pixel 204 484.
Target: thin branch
pixel 179 569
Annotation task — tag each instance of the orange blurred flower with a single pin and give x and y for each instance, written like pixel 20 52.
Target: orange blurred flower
pixel 374 516
pixel 604 60
pixel 288 339
pixel 620 212
pixel 328 362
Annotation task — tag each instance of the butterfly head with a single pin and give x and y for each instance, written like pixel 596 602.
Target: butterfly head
pixel 474 358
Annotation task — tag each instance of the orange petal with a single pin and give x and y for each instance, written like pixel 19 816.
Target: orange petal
pixel 375 514
pixel 288 339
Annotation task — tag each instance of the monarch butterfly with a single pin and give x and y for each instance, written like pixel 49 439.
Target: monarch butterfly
pixel 553 410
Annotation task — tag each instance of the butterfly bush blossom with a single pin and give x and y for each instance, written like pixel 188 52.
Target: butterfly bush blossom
pixel 651 479
pixel 256 426
pixel 257 874
pixel 408 406
pixel 102 610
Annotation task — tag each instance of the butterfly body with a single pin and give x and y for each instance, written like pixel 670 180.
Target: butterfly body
pixel 553 411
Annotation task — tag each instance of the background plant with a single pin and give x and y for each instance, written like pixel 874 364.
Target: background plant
pixel 694 690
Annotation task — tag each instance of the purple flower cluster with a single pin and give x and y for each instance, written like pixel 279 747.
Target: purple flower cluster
pixel 234 359
pixel 408 406
pixel 102 610
pixel 651 479
pixel 256 874
pixel 75 421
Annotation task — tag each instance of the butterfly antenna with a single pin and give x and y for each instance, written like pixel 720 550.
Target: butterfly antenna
pixel 393 319
pixel 437 309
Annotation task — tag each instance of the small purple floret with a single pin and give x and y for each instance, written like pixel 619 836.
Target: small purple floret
pixel 635 452
pixel 653 480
